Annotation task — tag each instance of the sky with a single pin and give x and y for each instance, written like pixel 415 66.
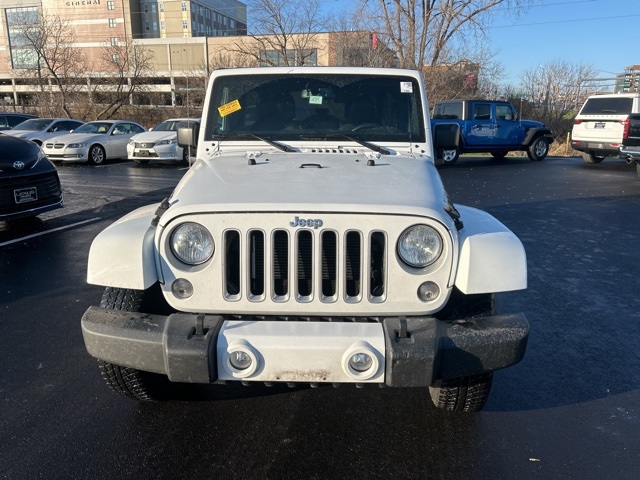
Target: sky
pixel 600 33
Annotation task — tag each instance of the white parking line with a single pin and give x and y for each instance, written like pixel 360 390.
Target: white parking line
pixel 49 231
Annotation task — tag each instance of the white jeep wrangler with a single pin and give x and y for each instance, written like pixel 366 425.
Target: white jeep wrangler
pixel 312 241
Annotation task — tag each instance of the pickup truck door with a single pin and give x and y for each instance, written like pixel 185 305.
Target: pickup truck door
pixel 508 129
pixel 481 127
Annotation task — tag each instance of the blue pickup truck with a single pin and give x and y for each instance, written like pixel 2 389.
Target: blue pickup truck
pixel 488 126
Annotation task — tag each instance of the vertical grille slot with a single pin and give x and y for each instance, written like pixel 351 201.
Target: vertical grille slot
pixel 305 263
pixel 280 266
pixel 256 263
pixel 377 271
pixel 329 263
pixel 353 273
pixel 232 263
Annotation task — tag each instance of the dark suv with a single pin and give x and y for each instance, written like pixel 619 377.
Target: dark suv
pixel 29 183
pixel 10 120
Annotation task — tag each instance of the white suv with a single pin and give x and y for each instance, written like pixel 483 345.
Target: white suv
pixel 601 125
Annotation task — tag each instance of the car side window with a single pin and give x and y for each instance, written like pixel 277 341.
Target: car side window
pixel 482 111
pixel 134 128
pixel 504 112
pixel 3 122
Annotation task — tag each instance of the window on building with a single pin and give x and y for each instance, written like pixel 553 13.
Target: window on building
pixel 155 26
pixel 112 23
pixel 114 41
pixel 115 58
pixel 161 7
pixel 146 25
pixel 153 8
pixel 146 8
pixel 111 5
pixel 185 24
pixel 300 57
pixel 162 25
pixel 184 6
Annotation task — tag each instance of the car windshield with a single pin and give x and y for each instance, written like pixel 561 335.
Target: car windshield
pixel 167 126
pixel 94 127
pixel 301 106
pixel 34 125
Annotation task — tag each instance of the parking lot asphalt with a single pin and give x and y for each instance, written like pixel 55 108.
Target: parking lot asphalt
pixel 569 410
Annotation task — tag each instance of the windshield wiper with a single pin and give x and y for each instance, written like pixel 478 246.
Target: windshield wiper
pixel 364 143
pixel 280 146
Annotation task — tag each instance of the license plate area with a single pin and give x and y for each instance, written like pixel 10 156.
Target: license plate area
pixel 599 125
pixel 25 195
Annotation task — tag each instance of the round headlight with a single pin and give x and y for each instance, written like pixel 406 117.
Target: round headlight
pixel 419 246
pixel 192 244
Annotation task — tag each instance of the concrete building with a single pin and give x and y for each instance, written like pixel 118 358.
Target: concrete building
pixel 185 39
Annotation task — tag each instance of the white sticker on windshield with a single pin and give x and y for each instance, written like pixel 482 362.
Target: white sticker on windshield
pixel 406 87
pixel 315 99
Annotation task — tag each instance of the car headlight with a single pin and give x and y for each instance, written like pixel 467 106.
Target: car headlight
pixel 419 246
pixel 166 142
pixel 192 243
pixel 76 145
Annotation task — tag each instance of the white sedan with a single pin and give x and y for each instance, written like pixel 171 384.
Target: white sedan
pixel 160 143
pixel 38 130
pixel 93 142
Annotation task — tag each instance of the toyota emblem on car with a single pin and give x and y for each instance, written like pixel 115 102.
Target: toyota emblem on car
pixel 18 165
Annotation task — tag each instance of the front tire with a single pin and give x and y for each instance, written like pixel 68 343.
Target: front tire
pixel 470 393
pixel 591 157
pixel 465 394
pixel 538 150
pixel 97 155
pixel 126 381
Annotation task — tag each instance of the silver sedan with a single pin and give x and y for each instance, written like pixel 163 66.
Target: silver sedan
pixel 93 142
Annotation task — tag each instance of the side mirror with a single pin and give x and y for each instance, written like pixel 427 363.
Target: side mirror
pixel 188 135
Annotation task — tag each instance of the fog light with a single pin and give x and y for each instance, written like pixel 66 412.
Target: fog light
pixel 182 288
pixel 240 360
pixel 360 362
pixel 428 291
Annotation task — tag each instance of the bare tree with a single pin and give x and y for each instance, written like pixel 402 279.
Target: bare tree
pixel 284 32
pixel 552 92
pixel 423 31
pixel 48 56
pixel 128 65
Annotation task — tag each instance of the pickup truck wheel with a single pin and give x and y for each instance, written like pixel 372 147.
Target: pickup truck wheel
pixel 591 157
pixel 449 156
pixel 130 382
pixel 465 394
pixel 538 149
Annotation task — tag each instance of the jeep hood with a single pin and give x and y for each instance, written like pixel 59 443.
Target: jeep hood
pixel 300 182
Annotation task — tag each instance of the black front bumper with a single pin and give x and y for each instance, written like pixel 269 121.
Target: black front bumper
pixel 418 350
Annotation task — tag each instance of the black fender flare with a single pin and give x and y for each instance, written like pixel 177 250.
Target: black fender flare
pixel 534 133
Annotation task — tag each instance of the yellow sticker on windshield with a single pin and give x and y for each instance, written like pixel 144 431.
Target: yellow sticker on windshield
pixel 228 108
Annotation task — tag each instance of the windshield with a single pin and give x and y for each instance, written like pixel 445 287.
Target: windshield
pixel 167 126
pixel 295 106
pixel 93 127
pixel 34 125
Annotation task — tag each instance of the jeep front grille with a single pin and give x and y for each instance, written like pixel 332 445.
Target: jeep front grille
pixel 326 265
